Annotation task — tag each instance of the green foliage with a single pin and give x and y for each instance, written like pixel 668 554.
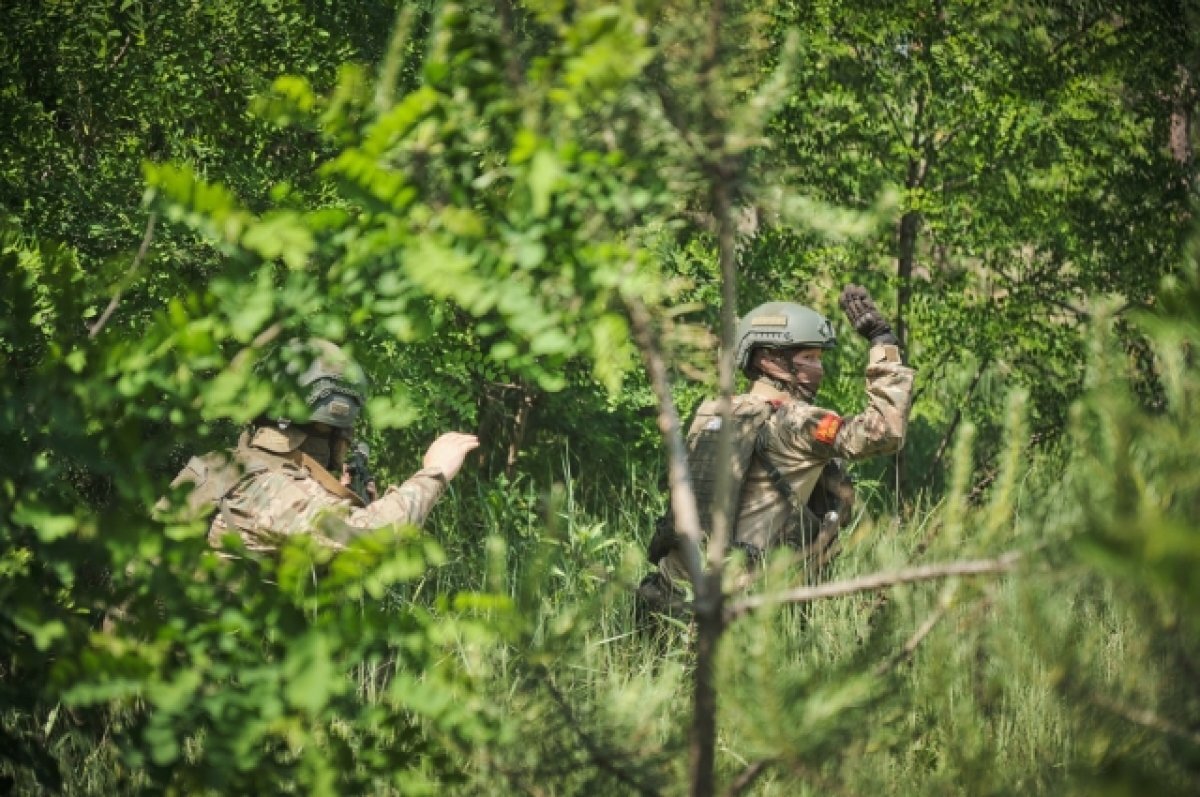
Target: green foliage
pixel 467 205
pixel 1030 149
pixel 1070 677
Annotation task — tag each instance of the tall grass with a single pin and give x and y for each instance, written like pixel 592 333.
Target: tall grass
pixel 1073 674
pixel 955 687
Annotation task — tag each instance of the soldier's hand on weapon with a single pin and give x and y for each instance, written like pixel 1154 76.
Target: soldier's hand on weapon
pixel 448 452
pixel 865 317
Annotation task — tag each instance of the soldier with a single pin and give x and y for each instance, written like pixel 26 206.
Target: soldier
pixel 279 479
pixel 789 480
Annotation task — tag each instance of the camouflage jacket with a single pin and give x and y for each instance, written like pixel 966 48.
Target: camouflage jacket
pixel 799 440
pixel 266 490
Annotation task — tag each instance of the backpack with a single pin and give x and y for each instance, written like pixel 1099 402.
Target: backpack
pixel 748 414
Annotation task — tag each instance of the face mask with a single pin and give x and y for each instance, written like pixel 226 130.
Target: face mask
pixel 807 376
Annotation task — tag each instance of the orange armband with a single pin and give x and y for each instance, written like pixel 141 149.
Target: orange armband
pixel 827 428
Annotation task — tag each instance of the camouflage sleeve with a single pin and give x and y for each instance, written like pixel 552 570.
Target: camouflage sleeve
pixel 879 429
pixel 209 477
pixel 408 503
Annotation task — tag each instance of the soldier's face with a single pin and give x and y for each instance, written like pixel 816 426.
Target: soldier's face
pixel 804 369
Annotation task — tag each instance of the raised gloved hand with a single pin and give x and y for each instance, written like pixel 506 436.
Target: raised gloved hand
pixel 865 317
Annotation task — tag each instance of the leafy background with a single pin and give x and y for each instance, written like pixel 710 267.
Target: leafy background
pixel 470 197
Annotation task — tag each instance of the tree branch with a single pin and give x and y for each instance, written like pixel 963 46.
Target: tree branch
pixel 914 641
pixel 1061 45
pixel 133 267
pixel 929 373
pixel 683 498
pixel 1146 718
pixel 926 628
pixel 874 582
pixel 746 779
pixel 958 413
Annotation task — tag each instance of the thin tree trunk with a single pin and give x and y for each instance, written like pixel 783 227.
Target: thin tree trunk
pixel 906 245
pixel 710 610
pixel 722 174
pixel 684 513
pixel 910 225
pixel 1183 106
pixel 954 421
pixel 526 398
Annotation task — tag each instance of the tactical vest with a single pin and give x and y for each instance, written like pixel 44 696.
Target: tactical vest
pixel 748 414
pixel 215 475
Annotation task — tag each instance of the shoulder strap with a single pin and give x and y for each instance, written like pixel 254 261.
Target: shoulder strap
pixel 801 513
pixel 328 481
pixel 211 477
pixel 281 447
pixel 811 526
pixel 780 484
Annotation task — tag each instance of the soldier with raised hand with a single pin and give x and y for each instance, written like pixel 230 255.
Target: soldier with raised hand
pixel 791 489
pixel 279 480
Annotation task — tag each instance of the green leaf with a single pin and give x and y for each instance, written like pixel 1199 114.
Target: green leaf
pixel 171 697
pixel 391 412
pixel 281 235
pixel 48 525
pixel 44 634
pixel 255 306
pixel 544 173
pixel 309 675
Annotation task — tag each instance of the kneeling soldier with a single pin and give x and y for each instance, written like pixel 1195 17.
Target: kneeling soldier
pixel 791 488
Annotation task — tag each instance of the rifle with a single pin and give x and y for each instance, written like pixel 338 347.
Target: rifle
pixel 362 481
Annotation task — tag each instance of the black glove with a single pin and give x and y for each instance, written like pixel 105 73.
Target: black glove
pixel 865 317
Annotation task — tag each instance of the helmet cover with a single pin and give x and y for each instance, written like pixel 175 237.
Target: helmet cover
pixel 332 385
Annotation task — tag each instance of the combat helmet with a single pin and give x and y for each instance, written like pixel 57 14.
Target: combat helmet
pixel 330 383
pixel 781 325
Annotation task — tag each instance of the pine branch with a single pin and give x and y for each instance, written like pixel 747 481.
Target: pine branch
pixel 921 634
pixel 875 582
pixel 914 641
pixel 747 778
pixel 1147 719
pixel 599 758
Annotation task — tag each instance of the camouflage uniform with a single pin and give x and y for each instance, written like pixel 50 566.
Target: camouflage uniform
pixel 277 481
pixel 266 489
pixel 800 440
